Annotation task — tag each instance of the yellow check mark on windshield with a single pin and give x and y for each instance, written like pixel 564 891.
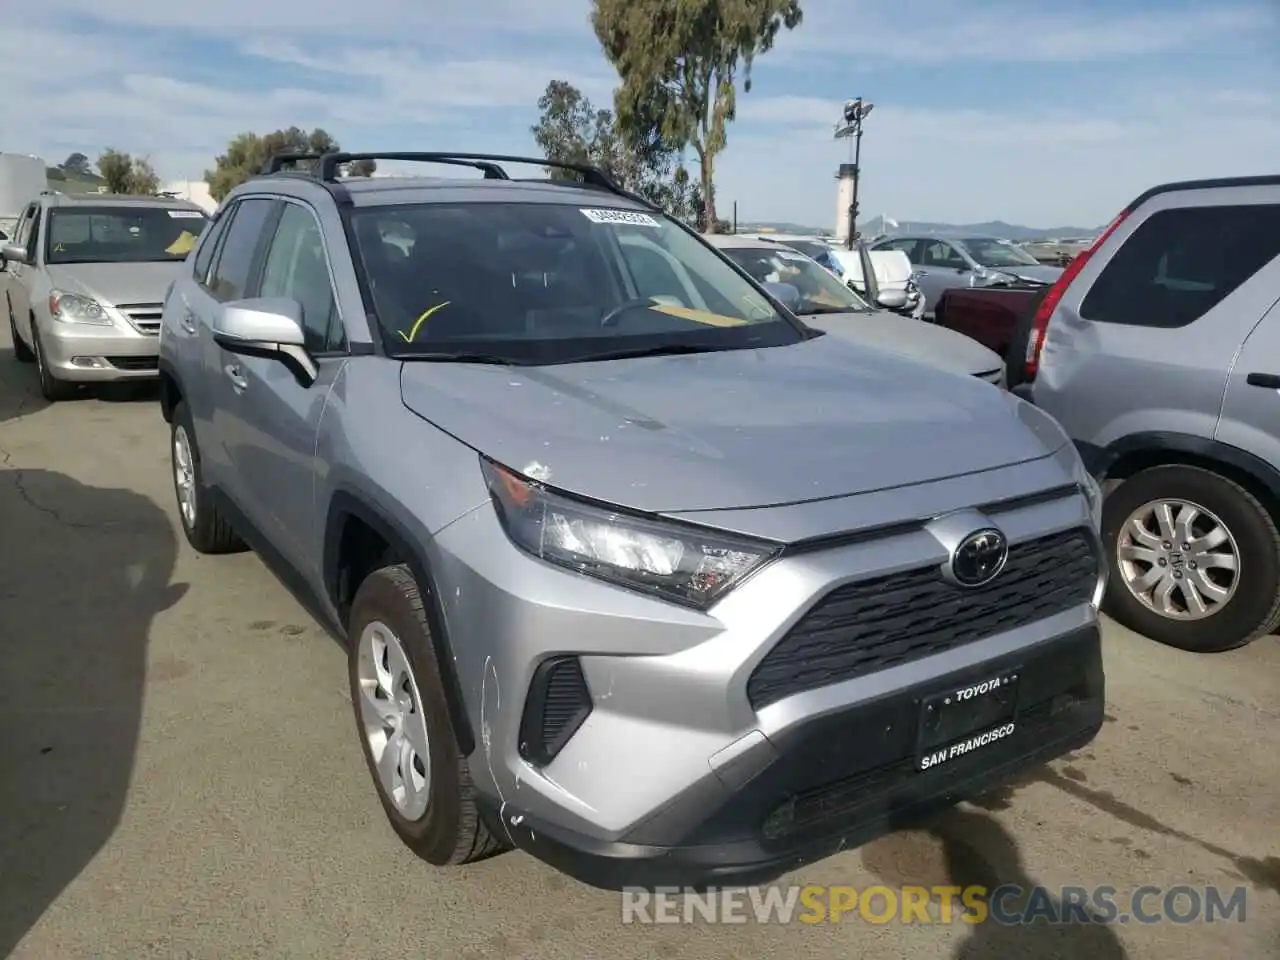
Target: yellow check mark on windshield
pixel 417 324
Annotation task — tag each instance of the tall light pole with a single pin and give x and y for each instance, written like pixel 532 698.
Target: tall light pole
pixel 855 111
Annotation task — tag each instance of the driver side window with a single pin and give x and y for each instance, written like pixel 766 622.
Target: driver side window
pixel 296 268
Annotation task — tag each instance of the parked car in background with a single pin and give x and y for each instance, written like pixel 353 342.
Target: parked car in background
pixel 895 285
pixel 822 301
pixel 665 593
pixel 989 315
pixel 1159 351
pixel 942 264
pixel 84 282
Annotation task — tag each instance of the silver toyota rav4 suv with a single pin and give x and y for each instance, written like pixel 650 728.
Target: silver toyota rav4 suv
pixel 83 280
pixel 664 593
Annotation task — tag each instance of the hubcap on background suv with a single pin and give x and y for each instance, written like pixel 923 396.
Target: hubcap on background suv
pixel 184 476
pixel 1178 559
pixel 392 720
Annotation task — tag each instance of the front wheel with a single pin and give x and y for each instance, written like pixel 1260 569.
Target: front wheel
pixel 51 388
pixel 1195 559
pixel 205 528
pixel 423 781
pixel 21 352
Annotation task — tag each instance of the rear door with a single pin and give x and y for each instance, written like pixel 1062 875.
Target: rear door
pixel 1145 337
pixel 1251 407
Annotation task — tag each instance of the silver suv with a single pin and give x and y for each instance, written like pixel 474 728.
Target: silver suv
pixel 83 282
pixel 1159 352
pixel 662 587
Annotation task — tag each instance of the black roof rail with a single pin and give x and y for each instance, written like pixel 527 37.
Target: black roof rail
pixel 330 162
pixel 488 162
pixel 279 161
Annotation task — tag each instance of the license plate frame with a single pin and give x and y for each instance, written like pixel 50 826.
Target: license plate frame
pixel 966 717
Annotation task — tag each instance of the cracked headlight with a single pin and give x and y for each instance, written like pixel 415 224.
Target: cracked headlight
pixel 677 562
pixel 73 308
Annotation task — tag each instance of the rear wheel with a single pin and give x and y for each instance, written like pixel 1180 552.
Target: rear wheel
pixel 205 528
pixel 21 352
pixel 1195 559
pixel 422 780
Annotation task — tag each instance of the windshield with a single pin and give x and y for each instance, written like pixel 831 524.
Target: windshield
pixel 552 283
pixel 999 253
pixel 820 291
pixel 122 234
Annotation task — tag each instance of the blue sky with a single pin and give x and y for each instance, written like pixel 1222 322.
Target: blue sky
pixel 1030 111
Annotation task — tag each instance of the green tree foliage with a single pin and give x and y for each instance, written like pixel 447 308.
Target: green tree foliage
pixel 77 165
pixel 123 173
pixel 571 129
pixel 679 62
pixel 249 152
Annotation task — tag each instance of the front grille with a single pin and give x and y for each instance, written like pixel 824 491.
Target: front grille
pixel 874 624
pixel 558 704
pixel 134 363
pixel 145 317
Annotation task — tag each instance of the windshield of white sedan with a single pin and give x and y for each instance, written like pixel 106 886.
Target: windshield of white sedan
pixel 819 290
pixel 552 283
pixel 122 234
pixel 999 253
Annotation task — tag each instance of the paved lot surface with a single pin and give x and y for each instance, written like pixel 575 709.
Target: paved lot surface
pixel 179 775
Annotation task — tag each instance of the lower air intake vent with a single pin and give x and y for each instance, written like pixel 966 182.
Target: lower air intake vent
pixel 558 704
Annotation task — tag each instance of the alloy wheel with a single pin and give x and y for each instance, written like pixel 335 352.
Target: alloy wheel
pixel 1178 559
pixel 184 476
pixel 392 720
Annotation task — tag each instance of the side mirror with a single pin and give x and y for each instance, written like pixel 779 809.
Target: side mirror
pixel 11 252
pixel 269 328
pixel 785 293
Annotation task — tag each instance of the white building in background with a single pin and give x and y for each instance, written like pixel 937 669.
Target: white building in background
pixel 197 191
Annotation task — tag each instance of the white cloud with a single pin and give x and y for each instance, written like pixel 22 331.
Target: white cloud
pixel 145 76
pixel 933 31
pixel 1052 168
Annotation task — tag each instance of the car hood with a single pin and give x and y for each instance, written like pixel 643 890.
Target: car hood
pixel 927 342
pixel 731 429
pixel 116 283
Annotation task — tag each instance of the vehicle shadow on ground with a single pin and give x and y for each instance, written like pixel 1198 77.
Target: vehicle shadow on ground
pixel 978 851
pixel 84 572
pixel 964 848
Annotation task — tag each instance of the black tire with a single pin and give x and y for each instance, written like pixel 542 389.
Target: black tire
pixel 450 831
pixel 210 532
pixel 51 388
pixel 1253 611
pixel 21 352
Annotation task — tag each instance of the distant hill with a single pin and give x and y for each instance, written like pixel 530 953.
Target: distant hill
pixel 993 228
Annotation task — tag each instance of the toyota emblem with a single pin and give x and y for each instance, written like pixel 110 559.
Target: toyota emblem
pixel 979 558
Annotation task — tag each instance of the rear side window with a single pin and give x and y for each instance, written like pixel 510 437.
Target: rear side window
pixel 232 272
pixel 1180 264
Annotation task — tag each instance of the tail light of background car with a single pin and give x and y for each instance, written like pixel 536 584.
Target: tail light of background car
pixel 1040 322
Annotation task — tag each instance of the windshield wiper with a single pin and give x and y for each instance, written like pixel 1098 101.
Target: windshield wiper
pixel 441 356
pixel 819 311
pixel 663 350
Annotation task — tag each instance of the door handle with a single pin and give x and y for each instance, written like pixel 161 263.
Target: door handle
pixel 236 376
pixel 1269 381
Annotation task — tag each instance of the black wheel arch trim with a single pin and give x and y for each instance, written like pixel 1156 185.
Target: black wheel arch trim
pixel 1101 460
pixel 344 504
pixel 166 368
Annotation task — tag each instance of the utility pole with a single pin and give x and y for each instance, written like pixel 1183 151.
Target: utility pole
pixel 855 111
